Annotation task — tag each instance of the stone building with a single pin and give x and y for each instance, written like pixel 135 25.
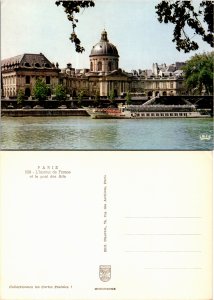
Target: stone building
pixel 21 72
pixel 104 68
pixel 104 75
pixel 102 78
pixel 162 80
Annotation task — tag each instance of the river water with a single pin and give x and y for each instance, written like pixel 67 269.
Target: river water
pixel 75 133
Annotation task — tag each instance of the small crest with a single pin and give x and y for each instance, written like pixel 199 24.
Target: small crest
pixel 105 273
pixel 205 137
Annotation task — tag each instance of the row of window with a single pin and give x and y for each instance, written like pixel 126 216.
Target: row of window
pixel 12 80
pixel 159 114
pixel 150 93
pixel 28 78
pixel 37 65
pixel 9 80
pixel 100 66
pixel 160 85
pixel 10 92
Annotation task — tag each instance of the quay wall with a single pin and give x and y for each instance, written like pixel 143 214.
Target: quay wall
pixel 43 112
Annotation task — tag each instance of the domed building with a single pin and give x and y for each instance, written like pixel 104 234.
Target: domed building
pixel 104 56
pixel 105 76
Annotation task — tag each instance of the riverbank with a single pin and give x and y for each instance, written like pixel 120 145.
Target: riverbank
pixel 43 112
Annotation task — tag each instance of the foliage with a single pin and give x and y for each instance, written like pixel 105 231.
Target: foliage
pixel 40 90
pixel 183 15
pixel 111 96
pixel 180 13
pixel 60 92
pixel 96 97
pixel 198 73
pixel 128 98
pixel 80 97
pixel 71 8
pixel 20 97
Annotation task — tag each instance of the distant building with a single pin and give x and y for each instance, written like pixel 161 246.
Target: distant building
pixel 162 80
pixel 21 72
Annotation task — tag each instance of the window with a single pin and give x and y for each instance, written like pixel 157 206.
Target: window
pixel 27 79
pixel 37 65
pixel 48 80
pixel 91 66
pixel 109 66
pixel 27 92
pixel 99 66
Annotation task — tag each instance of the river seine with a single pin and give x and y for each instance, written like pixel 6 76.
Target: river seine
pixel 84 133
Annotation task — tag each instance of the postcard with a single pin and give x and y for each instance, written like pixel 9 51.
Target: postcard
pixel 80 217
pixel 130 89
pixel 106 225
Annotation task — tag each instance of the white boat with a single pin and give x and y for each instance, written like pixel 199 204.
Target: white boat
pixel 147 111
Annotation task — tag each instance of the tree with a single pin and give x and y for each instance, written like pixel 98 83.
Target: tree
pixel 80 97
pixel 198 73
pixel 40 90
pixel 20 97
pixel 112 96
pixel 128 98
pixel 180 13
pixel 97 97
pixel 60 92
pixel 71 8
pixel 183 15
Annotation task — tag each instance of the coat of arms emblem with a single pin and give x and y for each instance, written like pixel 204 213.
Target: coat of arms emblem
pixel 105 273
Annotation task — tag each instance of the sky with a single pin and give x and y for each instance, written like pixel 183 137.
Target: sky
pixel 39 26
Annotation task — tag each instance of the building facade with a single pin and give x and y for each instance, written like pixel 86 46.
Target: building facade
pixel 104 76
pixel 162 80
pixel 101 79
pixel 20 73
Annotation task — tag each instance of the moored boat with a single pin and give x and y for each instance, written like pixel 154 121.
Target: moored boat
pixel 105 113
pixel 147 111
